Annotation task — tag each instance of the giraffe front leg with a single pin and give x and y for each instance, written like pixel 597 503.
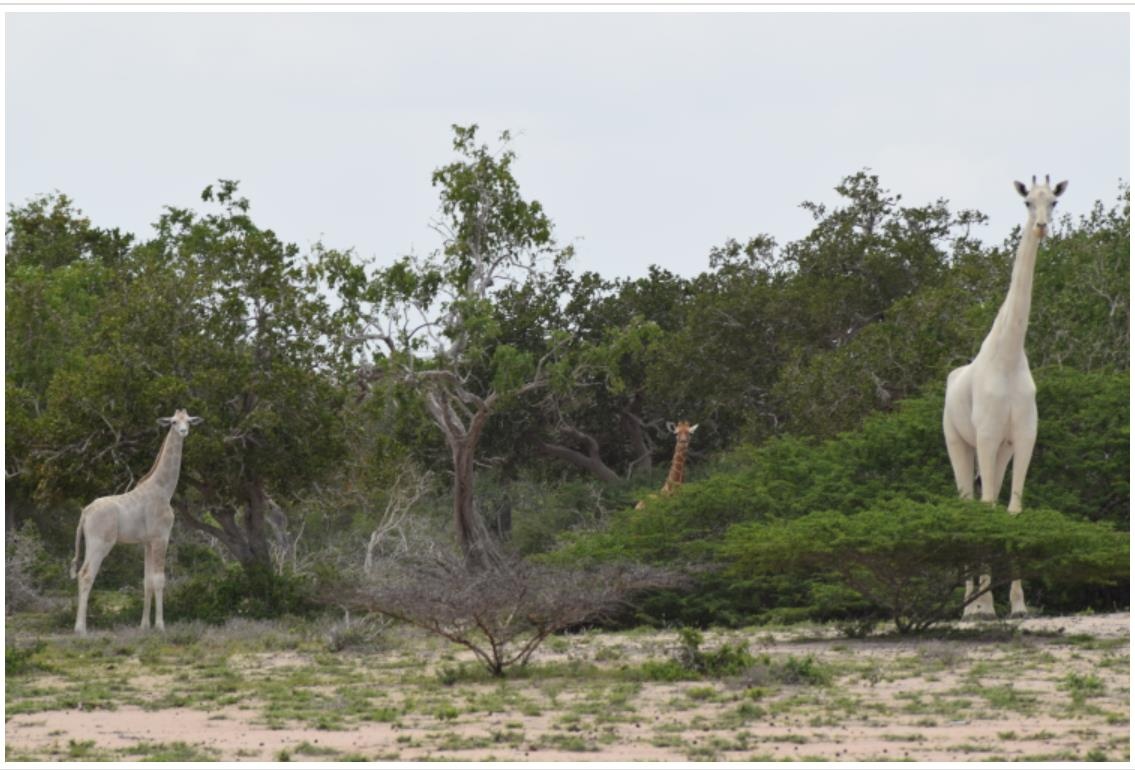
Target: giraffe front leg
pixel 1024 453
pixel 147 584
pixel 158 576
pixel 982 607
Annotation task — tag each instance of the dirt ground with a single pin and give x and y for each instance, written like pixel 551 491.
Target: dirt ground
pixel 1041 689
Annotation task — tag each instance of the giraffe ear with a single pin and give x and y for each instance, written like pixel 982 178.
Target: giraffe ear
pixel 165 421
pixel 1024 191
pixel 196 420
pixel 694 427
pixel 1060 187
pixel 671 427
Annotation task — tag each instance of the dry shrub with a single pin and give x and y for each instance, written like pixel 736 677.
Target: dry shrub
pixel 502 611
pixel 24 571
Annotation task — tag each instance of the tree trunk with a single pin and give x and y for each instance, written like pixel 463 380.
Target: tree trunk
pixel 255 524
pixel 246 540
pixel 473 537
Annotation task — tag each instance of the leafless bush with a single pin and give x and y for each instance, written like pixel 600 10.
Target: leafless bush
pixel 366 633
pixel 409 487
pixel 23 559
pixel 504 611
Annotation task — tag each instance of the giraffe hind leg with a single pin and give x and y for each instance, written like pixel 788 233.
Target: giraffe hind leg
pixel 96 551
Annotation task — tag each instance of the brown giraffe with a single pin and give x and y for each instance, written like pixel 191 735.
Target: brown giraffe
pixel 683 430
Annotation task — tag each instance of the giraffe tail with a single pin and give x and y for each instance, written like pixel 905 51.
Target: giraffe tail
pixel 78 540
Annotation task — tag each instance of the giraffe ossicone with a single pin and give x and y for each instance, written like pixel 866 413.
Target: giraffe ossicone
pixel 990 413
pixel 141 515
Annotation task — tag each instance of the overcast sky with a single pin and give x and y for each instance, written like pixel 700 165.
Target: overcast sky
pixel 648 137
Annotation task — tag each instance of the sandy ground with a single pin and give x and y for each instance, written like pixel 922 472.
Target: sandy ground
pixel 889 699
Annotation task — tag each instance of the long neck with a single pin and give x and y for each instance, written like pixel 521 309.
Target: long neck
pixel 167 467
pixel 677 468
pixel 1012 320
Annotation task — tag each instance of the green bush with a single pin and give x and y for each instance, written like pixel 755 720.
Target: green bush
pixel 1080 467
pixel 913 559
pixel 726 660
pixel 234 591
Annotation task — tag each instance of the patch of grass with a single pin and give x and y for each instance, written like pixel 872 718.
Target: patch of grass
pixel 971 748
pixel 1081 686
pixel 566 742
pixel 80 749
pixel 19 661
pixel 610 653
pixel 659 671
pixel 701 693
pixel 1089 642
pixel 1003 697
pixel 171 752
pixel 805 671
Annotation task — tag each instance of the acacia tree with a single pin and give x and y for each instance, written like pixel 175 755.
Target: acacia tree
pixel 430 320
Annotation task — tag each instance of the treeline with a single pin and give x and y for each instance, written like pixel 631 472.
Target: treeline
pixel 489 395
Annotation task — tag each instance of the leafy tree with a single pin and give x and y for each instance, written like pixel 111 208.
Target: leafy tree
pixel 1080 319
pixel 910 558
pixel 216 315
pixel 603 423
pixel 58 268
pixel 434 317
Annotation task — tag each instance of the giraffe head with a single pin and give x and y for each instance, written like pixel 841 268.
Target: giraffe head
pixel 1040 200
pixel 682 430
pixel 180 422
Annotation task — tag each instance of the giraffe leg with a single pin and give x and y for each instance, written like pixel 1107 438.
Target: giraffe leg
pixel 988 450
pixel 1024 447
pixel 96 552
pixel 158 576
pixel 147 583
pixel 962 460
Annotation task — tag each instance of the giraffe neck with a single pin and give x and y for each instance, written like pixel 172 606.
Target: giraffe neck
pixel 677 469
pixel 1009 328
pixel 167 466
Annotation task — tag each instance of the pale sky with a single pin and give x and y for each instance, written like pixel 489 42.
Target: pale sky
pixel 648 137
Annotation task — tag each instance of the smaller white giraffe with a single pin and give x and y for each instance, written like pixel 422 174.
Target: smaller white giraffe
pixel 990 407
pixel 142 515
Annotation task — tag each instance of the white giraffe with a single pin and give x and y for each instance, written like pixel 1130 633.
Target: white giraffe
pixel 991 402
pixel 142 515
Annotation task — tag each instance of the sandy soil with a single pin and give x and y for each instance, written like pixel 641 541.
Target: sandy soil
pixel 888 699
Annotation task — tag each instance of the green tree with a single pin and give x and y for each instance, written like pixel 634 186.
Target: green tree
pixel 1080 319
pixel 213 314
pixel 58 268
pixel 434 320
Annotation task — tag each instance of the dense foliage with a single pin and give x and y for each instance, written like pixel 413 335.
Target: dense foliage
pixel 488 397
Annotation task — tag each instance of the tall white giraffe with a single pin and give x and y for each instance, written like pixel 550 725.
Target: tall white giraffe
pixel 991 402
pixel 142 515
